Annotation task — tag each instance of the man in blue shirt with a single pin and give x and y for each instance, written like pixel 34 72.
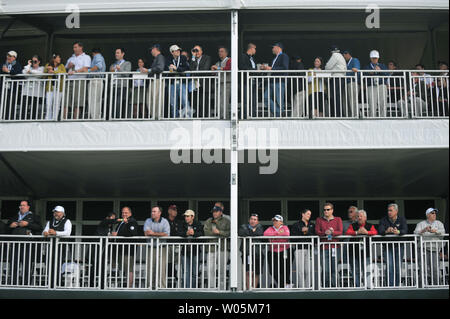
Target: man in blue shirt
pixel 274 95
pixel 353 66
pixel 376 88
pixel 96 85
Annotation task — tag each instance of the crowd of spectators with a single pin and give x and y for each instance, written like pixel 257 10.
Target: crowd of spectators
pixel 279 257
pixel 339 93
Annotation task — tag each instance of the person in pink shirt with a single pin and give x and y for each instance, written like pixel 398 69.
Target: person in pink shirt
pixel 279 255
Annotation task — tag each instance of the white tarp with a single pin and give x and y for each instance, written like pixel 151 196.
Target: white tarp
pixel 61 6
pixel 170 135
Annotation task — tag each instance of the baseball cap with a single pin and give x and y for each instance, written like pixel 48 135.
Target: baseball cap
pixel 278 44
pixel 12 53
pixel 374 54
pixel 189 212
pixel 174 207
pixel 157 46
pixel 347 52
pixel 278 217
pixel 59 209
pixel 174 48
pixel 217 209
pixel 334 48
pixel 430 210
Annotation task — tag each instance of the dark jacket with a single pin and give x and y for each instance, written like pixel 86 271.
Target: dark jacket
pixel 205 64
pixel 371 82
pixel 401 224
pixel 183 64
pixel 246 231
pixel 105 227
pixel 196 226
pixel 282 63
pixel 129 229
pixel 15 70
pixel 2 228
pixel 175 227
pixel 245 63
pixel 158 65
pixel 296 229
pixel 34 225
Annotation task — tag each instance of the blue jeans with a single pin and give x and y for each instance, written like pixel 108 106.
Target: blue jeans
pixel 190 270
pixel 393 256
pixel 329 263
pixel 274 97
pixel 178 91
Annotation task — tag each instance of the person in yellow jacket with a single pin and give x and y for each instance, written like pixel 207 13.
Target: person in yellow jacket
pixel 316 92
pixel 53 97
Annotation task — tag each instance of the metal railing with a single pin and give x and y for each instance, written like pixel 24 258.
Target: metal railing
pixel 115 96
pixel 311 94
pixel 268 263
pixel 318 94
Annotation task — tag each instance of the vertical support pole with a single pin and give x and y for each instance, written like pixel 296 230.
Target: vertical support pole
pixel 234 153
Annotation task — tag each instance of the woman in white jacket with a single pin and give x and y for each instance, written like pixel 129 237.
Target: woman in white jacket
pixel 33 90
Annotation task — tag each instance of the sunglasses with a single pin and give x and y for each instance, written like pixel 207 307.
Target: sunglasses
pixel 35 62
pixel 327 209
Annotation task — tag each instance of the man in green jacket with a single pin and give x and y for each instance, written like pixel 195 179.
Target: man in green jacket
pixel 217 226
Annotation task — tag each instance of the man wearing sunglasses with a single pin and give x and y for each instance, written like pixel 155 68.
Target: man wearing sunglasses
pixel 431 231
pixel 329 226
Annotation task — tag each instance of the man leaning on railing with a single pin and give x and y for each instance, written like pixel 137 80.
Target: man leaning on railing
pixel 157 227
pixel 356 258
pixel 217 226
pixel 431 230
pixel 392 224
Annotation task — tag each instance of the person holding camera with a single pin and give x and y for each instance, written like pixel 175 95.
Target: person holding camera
pixel 33 90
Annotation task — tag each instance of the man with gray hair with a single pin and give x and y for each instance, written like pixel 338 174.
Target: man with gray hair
pixel 392 224
pixel 431 231
pixel 360 228
pixel 352 217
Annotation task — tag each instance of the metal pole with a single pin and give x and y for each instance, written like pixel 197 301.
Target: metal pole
pixel 234 153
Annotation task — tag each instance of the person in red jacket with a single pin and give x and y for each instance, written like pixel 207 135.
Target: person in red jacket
pixel 329 227
pixel 360 228
pixel 279 256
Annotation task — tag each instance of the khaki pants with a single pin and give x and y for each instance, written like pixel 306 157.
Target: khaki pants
pixel 95 99
pixel 157 279
pixel 217 264
pixel 299 109
pixel 155 106
pixel 377 99
pixel 352 99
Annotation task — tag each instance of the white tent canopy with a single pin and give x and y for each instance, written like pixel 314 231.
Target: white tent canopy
pixel 61 6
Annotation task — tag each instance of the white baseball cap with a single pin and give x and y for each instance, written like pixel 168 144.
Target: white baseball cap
pixel 13 53
pixel 174 48
pixel 374 54
pixel 59 209
pixel 430 210
pixel 278 217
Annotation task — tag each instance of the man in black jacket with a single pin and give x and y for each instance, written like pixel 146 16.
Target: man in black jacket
pixel 178 97
pixel 24 223
pixel 128 227
pixel 106 226
pixel 200 87
pixel 10 67
pixel 190 229
pixel 303 252
pixel 252 229
pixel 392 224
pixel 247 63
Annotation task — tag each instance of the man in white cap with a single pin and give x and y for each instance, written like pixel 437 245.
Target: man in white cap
pixel 10 67
pixel 59 225
pixel 337 64
pixel 431 231
pixel 178 97
pixel 376 89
